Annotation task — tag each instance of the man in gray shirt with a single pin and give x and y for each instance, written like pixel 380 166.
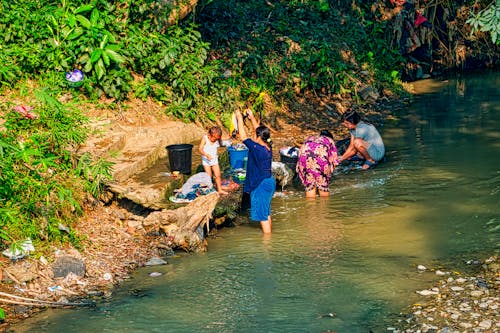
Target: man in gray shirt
pixel 366 142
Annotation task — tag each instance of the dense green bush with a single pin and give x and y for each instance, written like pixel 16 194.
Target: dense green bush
pixel 315 45
pixel 109 41
pixel 113 42
pixel 41 183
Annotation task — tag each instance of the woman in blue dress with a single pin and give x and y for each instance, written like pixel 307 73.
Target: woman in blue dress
pixel 259 181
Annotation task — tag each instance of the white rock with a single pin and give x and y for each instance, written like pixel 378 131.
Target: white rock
pixel 475 315
pixel 107 276
pixel 486 324
pixel 476 293
pixel 455 288
pixel 441 273
pixel 427 292
pixel 460 280
pixel 483 305
pixel 43 260
pixel 466 325
pixel 421 268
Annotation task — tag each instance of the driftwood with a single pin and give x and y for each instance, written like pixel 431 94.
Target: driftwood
pixel 184 225
pixel 14 299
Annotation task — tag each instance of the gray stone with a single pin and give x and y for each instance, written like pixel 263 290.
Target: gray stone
pixel 67 264
pixel 155 261
pixel 369 93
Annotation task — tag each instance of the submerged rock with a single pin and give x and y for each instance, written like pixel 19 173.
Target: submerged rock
pixel 155 262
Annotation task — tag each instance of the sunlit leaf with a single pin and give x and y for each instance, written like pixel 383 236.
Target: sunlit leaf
pixel 84 8
pixel 115 56
pixel 83 21
pixel 95 55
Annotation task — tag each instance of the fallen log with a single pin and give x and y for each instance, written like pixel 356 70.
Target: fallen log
pixel 184 226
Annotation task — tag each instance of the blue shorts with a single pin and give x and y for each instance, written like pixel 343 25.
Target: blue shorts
pixel 260 199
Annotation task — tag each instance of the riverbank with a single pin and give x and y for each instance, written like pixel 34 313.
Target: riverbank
pixel 115 242
pixel 117 246
pixel 460 302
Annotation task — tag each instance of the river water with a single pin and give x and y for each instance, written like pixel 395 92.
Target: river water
pixel 344 263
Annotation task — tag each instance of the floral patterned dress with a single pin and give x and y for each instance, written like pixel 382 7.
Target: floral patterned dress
pixel 317 160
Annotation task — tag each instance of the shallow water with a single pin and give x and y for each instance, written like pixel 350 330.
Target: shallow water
pixel 344 263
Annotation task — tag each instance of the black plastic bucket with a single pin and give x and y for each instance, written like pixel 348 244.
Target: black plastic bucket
pixel 180 157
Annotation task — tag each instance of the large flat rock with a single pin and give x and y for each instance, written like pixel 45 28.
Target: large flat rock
pixel 133 149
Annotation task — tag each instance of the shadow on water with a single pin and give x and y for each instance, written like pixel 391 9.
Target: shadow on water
pixel 345 263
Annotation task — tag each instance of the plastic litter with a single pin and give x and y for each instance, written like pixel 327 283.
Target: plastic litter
pixel 289 151
pixel 75 78
pixel 20 251
pixel 25 111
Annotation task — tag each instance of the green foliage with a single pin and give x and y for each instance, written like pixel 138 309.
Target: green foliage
pixel 277 48
pixel 108 42
pixel 39 187
pixel 95 172
pixel 487 20
pixel 297 45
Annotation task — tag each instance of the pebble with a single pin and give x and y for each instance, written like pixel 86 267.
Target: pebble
pixel 44 261
pixel 426 292
pixel 457 304
pixel 155 261
pixel 155 274
pixel 486 324
pixel 466 325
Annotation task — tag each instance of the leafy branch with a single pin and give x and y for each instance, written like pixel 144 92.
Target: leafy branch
pixel 487 20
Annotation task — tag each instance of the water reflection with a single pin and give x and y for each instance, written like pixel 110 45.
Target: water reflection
pixel 341 263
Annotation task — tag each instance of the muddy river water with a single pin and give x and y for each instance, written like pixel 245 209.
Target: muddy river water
pixel 342 264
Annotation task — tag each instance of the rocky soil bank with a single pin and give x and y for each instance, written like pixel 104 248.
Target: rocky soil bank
pixel 460 302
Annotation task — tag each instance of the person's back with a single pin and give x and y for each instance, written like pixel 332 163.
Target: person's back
pixel 366 142
pixel 370 134
pixel 316 162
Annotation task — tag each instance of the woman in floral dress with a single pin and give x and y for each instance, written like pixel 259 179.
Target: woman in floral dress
pixel 317 160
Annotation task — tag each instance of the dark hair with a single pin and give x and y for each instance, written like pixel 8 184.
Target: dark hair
pixel 326 133
pixel 215 130
pixel 264 133
pixel 351 116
